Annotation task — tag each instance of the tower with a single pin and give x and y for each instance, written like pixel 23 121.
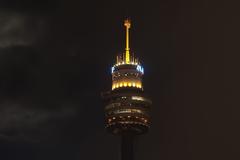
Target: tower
pixel 126 106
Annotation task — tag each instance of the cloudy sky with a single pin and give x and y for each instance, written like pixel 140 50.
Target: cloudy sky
pixel 55 59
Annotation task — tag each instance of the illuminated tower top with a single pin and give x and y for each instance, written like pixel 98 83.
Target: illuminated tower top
pixel 127 72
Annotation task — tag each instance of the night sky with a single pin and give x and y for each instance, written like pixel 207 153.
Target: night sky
pixel 55 59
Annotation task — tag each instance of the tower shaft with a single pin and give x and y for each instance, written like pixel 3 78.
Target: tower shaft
pixel 127 151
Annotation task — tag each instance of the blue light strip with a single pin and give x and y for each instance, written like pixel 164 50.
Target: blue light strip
pixel 112 69
pixel 140 69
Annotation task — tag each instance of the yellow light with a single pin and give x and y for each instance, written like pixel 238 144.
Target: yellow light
pixel 127 84
pixel 127 23
pixel 127 53
pixel 138 98
pixel 127 57
pixel 138 85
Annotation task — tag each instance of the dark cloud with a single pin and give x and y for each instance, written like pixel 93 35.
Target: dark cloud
pixel 37 100
pixel 31 124
pixel 17 29
pixel 36 96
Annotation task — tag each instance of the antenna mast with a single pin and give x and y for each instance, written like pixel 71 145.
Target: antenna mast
pixel 127 24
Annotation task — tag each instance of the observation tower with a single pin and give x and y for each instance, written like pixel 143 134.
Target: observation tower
pixel 126 106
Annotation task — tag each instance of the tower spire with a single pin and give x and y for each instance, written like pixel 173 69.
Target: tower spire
pixel 127 24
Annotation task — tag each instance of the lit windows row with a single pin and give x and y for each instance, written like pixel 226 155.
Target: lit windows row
pixel 128 117
pixel 138 98
pixel 126 84
pixel 121 63
pixel 127 111
pixel 126 75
